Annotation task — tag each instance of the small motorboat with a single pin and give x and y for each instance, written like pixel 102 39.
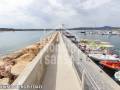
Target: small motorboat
pixel 103 57
pixel 111 64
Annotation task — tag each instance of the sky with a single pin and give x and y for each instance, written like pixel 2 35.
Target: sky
pixel 53 13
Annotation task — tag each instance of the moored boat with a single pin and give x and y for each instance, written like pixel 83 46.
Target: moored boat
pixel 111 64
pixel 103 57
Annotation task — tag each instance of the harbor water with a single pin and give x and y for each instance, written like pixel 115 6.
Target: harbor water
pixel 13 41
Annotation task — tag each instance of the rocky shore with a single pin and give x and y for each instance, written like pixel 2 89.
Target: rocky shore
pixel 12 65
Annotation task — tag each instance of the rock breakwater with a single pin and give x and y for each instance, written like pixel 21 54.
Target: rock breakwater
pixel 13 64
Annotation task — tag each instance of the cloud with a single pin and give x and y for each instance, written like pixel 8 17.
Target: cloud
pixel 13 5
pixel 51 13
pixel 12 14
pixel 90 4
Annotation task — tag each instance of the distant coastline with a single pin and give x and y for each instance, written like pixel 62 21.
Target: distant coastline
pixel 57 29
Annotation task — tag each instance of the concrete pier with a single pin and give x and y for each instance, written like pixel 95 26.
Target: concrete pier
pixel 62 75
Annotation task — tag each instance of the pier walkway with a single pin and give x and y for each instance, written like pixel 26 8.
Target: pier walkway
pixel 62 75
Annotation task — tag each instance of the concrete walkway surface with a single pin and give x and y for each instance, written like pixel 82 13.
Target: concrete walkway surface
pixel 61 76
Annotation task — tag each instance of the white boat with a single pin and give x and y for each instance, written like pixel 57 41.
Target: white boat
pixel 101 57
pixel 117 75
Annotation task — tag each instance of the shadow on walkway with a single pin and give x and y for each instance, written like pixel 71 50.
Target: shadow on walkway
pixel 49 81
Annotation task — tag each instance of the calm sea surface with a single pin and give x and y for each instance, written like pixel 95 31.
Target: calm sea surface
pixel 12 41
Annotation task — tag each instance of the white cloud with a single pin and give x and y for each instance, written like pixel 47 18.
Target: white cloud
pixel 55 3
pixel 11 5
pixel 90 4
pixel 50 13
pixel 12 13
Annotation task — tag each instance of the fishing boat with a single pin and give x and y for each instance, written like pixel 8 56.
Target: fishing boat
pixel 115 65
pixel 104 57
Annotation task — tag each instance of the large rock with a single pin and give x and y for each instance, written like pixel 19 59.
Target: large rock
pixel 40 45
pixel 18 68
pixel 31 49
pixel 9 62
pixel 1 63
pixel 4 81
pixel 12 56
pixel 26 57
